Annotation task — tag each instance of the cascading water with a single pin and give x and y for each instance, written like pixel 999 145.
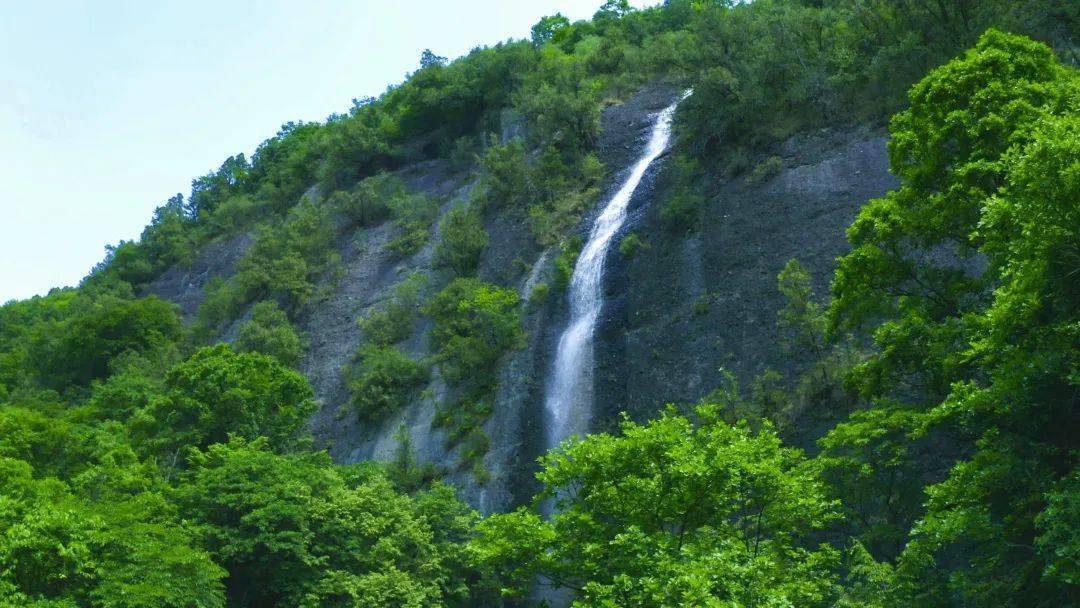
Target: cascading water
pixel 568 400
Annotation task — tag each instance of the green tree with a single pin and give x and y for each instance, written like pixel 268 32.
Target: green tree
pixel 463 240
pixel 168 239
pixel 475 324
pixel 671 513
pixel 504 176
pixel 1011 494
pixel 355 146
pixel 613 9
pixel 870 462
pixel 218 392
pixel 268 331
pixel 296 530
pixel 366 204
pixel 80 350
pixel 802 318
pixel 211 190
pixel 429 59
pixel 58 550
pixel 982 353
pixel 546 29
pixel 382 381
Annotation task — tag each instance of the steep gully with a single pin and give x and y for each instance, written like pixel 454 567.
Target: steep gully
pixel 568 395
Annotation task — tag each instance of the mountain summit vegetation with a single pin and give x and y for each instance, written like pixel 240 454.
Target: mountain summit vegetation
pixel 150 459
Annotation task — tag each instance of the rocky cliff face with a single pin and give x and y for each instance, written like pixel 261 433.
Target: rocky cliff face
pixel 686 305
pixel 681 308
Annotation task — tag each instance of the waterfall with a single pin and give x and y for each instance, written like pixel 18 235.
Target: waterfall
pixel 568 400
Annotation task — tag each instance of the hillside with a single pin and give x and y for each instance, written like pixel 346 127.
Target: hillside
pixel 741 304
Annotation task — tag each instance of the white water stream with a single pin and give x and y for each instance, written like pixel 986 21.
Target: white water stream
pixel 568 399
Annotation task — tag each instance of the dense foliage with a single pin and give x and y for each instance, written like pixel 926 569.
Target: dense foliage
pixel 295 530
pixel 979 345
pixel 143 464
pixel 671 513
pixel 383 380
pixel 463 240
pixel 475 324
pixel 268 331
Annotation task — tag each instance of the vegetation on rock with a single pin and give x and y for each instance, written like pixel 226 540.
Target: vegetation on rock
pixel 144 463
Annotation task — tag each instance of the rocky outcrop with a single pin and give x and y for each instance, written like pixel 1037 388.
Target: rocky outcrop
pixel 687 305
pixel 681 308
pixel 185 285
pixel 365 278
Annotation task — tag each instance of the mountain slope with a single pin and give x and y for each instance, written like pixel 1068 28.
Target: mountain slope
pixel 846 354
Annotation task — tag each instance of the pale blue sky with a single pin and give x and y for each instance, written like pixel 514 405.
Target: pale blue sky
pixel 107 108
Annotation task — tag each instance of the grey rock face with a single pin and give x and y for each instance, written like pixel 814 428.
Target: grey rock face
pixel 675 313
pixel 185 285
pixel 687 305
pixel 368 274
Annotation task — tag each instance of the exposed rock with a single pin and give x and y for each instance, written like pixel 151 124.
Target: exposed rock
pixel 675 313
pixel 369 272
pixel 185 285
pixel 687 305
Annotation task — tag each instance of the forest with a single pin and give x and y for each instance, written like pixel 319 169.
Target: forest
pixel 147 461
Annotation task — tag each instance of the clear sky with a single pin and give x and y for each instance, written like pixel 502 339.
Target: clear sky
pixel 107 108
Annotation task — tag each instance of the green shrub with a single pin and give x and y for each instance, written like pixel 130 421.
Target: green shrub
pixel 630 245
pixel 268 331
pixel 235 214
pixel 474 446
pixel 406 472
pixel 558 186
pixel 504 178
pixel 564 188
pixel 475 324
pixel 366 203
pixel 765 169
pixel 770 398
pixel 539 293
pixel 463 154
pixel 683 207
pixel 411 240
pixel 463 420
pixel 393 321
pixel 462 416
pixel 414 214
pixel 737 161
pixel 463 239
pixel 702 304
pixel 222 300
pixel 285 262
pixel 409 208
pixel 564 263
pixel 217 393
pixel 287 258
pixel 481 473
pixel 382 381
